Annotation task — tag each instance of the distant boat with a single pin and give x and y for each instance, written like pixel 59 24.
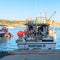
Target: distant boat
pixel 4 34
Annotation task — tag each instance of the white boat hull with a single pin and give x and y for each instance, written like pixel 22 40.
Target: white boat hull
pixel 37 45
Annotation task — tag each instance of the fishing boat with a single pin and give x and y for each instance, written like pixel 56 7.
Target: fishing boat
pixel 38 36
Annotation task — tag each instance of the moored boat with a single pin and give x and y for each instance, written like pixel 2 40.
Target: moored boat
pixel 37 37
pixel 4 34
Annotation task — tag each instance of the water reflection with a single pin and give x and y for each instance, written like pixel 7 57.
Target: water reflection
pixel 10 44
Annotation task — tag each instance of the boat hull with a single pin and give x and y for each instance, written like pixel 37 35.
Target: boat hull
pixel 37 45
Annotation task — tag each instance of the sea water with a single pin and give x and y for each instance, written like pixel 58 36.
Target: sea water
pixel 10 44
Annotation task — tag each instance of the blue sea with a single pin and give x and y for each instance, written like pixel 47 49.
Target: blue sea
pixel 10 44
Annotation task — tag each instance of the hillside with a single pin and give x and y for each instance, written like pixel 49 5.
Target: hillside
pixel 55 24
pixel 11 23
pixel 23 22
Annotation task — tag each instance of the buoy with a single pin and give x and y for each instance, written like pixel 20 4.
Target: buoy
pixel 20 33
pixel 25 31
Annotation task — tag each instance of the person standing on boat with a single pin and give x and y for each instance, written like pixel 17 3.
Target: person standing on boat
pixel 36 21
pixel 35 37
pixel 40 30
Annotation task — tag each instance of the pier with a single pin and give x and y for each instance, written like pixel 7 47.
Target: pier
pixel 33 55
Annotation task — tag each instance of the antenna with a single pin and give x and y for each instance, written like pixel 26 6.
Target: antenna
pixel 52 15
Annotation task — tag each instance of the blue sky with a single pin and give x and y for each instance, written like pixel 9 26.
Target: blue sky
pixel 23 9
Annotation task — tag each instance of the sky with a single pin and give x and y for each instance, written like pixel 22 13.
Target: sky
pixel 25 9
